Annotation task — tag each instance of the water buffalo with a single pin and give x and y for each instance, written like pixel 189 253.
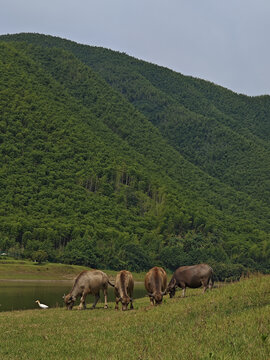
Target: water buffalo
pixel 155 284
pixel 123 289
pixel 88 282
pixel 191 276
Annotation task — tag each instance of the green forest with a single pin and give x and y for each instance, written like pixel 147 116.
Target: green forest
pixel 111 162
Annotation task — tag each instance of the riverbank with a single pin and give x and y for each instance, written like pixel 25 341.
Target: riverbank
pixel 230 322
pixel 29 270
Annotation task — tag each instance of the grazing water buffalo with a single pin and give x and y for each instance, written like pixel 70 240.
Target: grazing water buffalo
pixel 191 276
pixel 123 289
pixel 88 282
pixel 155 284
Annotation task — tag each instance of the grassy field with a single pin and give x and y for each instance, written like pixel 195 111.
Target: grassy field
pixel 28 270
pixel 230 322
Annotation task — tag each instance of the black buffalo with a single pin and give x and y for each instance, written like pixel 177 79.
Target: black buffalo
pixel 191 276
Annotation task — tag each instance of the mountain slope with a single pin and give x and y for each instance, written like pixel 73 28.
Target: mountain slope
pixel 134 128
pixel 225 134
pixel 83 165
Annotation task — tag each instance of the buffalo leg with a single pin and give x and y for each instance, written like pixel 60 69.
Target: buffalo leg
pixel 97 296
pixel 82 305
pixel 205 286
pixel 116 303
pixel 131 305
pixel 152 301
pixel 105 298
pixel 183 292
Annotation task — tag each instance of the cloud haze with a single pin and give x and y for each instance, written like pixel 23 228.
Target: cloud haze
pixel 225 42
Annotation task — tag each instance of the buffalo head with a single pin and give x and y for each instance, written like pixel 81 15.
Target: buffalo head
pixel 171 292
pixel 125 301
pixel 158 297
pixel 69 301
pixel 171 288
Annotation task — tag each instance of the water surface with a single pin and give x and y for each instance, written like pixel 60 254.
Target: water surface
pixel 22 294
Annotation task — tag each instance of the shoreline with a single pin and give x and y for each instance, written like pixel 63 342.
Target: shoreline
pixel 49 280
pixel 34 280
pixel 16 270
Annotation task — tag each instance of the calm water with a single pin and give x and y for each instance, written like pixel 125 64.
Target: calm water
pixel 20 295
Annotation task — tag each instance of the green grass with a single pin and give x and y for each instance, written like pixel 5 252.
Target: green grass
pixel 28 270
pixel 230 322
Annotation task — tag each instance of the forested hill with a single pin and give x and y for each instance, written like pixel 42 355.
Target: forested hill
pixel 113 162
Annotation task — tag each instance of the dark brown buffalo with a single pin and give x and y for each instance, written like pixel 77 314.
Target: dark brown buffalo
pixel 155 284
pixel 191 276
pixel 88 282
pixel 123 289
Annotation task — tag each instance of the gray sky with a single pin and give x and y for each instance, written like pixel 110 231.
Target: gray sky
pixel 226 42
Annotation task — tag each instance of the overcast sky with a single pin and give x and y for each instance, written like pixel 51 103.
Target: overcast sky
pixel 224 41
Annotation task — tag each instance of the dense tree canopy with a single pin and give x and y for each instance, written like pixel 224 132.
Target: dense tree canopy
pixel 108 161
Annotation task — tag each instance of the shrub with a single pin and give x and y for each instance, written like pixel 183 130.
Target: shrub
pixel 40 256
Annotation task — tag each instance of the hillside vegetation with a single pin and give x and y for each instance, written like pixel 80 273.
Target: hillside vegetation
pixel 230 322
pixel 108 161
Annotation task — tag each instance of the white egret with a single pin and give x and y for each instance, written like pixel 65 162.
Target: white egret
pixel 42 306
